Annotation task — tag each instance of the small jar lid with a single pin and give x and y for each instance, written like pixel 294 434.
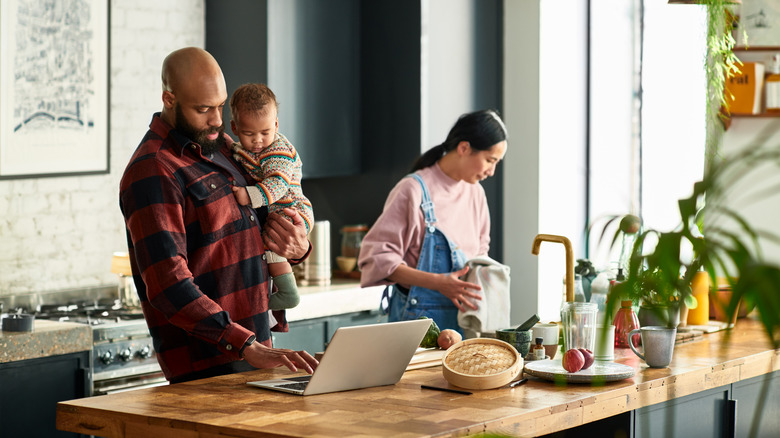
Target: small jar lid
pixel 539 340
pixel 354 228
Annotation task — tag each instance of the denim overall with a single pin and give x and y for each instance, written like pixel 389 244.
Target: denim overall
pixel 438 255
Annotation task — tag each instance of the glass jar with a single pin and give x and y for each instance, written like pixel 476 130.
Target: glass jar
pixel 625 321
pixel 351 239
pixel 579 325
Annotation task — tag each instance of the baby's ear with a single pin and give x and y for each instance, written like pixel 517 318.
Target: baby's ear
pixel 233 127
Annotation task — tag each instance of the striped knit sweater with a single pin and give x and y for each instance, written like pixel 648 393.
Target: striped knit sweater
pixel 277 170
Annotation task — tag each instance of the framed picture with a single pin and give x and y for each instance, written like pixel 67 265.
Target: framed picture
pixel 54 107
pixel 760 20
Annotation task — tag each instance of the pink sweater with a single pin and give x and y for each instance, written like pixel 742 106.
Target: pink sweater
pixel 396 237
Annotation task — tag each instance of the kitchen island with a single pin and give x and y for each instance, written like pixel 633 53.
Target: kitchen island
pixel 226 406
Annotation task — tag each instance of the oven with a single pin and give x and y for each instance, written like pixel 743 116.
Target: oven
pixel 123 357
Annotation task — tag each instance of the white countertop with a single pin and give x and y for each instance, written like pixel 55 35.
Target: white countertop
pixel 341 296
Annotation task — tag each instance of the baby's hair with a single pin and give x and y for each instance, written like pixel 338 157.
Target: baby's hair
pixel 252 97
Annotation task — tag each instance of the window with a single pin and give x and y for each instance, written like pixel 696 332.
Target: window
pixel 647 117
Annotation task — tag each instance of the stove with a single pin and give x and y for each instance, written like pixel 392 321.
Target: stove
pixel 123 357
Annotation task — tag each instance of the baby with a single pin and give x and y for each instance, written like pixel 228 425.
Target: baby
pixel 276 167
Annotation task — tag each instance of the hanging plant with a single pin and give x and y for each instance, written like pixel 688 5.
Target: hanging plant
pixel 720 63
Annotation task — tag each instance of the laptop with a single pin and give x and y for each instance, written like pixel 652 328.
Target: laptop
pixel 358 357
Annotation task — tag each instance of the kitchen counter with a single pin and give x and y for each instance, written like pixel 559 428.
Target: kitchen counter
pixel 48 338
pixel 341 296
pixel 225 405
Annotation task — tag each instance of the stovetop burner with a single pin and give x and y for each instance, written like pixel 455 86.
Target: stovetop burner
pixel 89 312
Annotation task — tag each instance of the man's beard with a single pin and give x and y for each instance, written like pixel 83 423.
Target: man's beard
pixel 207 146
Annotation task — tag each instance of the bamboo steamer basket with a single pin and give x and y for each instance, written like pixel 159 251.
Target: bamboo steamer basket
pixel 481 363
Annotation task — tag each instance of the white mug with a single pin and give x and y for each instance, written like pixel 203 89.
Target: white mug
pixel 604 348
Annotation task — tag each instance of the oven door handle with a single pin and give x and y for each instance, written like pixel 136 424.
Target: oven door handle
pixel 85 379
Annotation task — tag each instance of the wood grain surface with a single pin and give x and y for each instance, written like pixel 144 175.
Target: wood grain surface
pixel 226 406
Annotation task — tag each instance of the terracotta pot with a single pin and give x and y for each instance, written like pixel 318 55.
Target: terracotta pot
pixel 719 305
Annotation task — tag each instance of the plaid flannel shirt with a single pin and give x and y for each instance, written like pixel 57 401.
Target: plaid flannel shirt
pixel 196 254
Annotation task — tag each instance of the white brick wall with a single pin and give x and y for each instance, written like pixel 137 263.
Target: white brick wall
pixel 59 233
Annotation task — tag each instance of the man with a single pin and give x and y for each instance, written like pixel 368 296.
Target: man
pixel 197 255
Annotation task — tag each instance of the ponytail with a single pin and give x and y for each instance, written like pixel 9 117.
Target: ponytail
pixel 429 158
pixel 481 129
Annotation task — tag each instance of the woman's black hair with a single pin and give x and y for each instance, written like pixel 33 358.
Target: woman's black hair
pixel 482 129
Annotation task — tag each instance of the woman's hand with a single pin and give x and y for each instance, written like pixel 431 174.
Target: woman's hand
pixel 462 293
pixel 260 356
pixel 288 239
pixel 458 291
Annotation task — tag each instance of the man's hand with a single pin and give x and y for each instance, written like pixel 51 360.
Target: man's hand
pixel 288 239
pixel 241 194
pixel 260 356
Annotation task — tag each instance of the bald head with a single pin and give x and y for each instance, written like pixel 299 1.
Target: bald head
pixel 185 66
pixel 193 94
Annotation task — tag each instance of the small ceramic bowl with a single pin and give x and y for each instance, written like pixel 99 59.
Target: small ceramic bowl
pixel 551 350
pixel 346 264
pixel 520 340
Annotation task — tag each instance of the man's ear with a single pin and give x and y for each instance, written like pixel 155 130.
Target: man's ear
pixel 169 99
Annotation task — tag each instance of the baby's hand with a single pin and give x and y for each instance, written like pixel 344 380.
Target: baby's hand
pixel 241 194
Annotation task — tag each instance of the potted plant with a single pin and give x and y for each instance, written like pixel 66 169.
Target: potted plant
pixel 661 302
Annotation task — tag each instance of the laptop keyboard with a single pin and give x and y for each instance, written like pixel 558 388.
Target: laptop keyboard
pixel 299 386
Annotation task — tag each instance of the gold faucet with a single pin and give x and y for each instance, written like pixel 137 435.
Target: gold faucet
pixel 569 259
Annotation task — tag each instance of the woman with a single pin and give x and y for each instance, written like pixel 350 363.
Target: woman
pixel 433 221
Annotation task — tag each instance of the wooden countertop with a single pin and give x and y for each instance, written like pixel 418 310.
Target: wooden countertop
pixel 226 406
pixel 48 338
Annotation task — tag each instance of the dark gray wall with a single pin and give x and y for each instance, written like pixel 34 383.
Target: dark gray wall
pixel 390 99
pixel 244 61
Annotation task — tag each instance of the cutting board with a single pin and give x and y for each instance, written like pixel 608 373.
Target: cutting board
pixel 426 357
pixel 423 358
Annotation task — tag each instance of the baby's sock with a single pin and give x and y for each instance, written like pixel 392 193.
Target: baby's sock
pixel 286 296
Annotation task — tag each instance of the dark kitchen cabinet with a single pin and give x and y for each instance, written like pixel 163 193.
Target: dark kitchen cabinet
pixel 308 52
pixel 30 390
pixel 702 414
pixel 314 334
pixel 747 408
pixel 755 410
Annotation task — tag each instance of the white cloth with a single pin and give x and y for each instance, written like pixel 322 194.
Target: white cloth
pixel 493 312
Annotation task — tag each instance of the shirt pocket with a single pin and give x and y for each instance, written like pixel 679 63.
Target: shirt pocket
pixel 215 208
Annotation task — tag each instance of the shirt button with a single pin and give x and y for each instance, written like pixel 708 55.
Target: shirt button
pixel 192 146
pixel 413 301
pixel 432 229
pixel 228 347
pixel 213 186
pixel 263 256
pixel 252 218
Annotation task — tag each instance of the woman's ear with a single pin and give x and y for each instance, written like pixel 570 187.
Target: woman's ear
pixel 464 147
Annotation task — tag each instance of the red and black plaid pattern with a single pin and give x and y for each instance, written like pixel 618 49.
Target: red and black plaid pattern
pixel 196 254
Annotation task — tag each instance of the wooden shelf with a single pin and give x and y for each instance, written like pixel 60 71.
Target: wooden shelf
pixel 757 49
pixel 756 115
